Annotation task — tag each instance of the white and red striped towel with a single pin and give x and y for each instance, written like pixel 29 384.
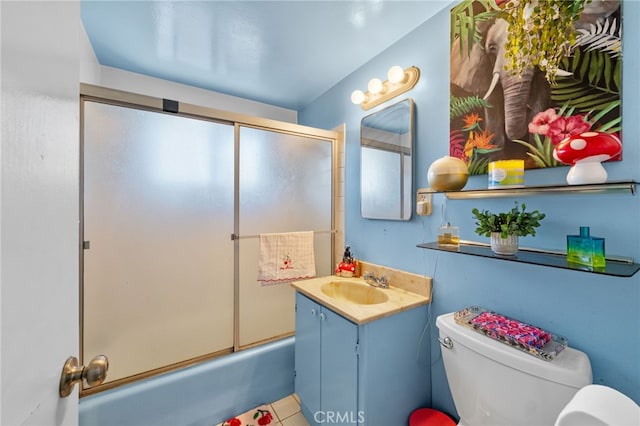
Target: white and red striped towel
pixel 286 257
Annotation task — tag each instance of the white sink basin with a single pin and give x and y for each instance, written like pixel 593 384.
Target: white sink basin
pixel 361 294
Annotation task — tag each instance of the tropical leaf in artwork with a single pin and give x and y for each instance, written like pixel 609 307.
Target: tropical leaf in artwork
pixel 612 126
pixel 595 68
pixel 541 152
pixel 594 81
pixel 456 144
pixel 463 25
pixel 582 98
pixel 603 36
pixel 461 106
pixel 464 19
pixel 456 137
pixel 478 165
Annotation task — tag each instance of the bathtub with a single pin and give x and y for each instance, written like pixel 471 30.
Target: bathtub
pixel 203 394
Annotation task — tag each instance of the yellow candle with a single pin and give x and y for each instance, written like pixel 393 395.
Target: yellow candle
pixel 506 174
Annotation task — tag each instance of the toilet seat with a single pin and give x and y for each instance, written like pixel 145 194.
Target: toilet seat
pixel 599 405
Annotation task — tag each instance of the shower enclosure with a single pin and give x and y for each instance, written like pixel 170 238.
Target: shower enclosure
pixel 174 198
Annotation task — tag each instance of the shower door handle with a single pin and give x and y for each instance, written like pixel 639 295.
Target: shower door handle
pixel 94 373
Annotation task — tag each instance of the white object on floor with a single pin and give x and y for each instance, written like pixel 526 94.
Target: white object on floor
pixel 597 405
pixel 285 257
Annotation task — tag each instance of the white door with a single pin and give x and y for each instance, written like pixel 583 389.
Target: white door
pixel 39 209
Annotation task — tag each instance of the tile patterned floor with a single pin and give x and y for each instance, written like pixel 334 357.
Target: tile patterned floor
pixel 284 412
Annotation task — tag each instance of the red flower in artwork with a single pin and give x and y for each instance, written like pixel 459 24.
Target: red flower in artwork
pixel 563 127
pixel 541 122
pixel 557 128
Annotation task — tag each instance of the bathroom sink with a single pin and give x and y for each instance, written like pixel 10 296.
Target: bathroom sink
pixel 354 292
pixel 360 302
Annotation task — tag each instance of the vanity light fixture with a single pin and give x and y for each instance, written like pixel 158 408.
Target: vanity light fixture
pixel 398 81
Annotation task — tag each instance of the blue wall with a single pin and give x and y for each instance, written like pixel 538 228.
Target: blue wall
pixel 599 315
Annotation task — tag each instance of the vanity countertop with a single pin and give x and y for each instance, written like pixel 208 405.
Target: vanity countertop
pixel 398 299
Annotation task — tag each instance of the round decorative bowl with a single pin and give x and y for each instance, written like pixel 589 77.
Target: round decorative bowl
pixel 448 174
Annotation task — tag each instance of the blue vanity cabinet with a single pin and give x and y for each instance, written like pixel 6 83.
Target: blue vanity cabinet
pixel 307 355
pixel 372 374
pixel 326 363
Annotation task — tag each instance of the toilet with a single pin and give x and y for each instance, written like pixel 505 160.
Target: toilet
pixel 494 384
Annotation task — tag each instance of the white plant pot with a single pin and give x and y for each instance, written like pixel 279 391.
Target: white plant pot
pixel 504 246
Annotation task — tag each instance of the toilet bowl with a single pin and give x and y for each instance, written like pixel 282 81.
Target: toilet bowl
pixel 494 384
pixel 597 405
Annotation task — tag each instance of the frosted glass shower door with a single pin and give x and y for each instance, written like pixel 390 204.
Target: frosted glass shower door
pixel 158 213
pixel 285 186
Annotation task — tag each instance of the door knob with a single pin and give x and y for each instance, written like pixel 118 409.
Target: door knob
pixel 94 373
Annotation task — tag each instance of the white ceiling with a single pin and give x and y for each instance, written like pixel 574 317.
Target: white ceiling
pixel 284 53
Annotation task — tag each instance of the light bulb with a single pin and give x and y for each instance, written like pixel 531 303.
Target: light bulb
pixel 375 86
pixel 357 97
pixel 395 74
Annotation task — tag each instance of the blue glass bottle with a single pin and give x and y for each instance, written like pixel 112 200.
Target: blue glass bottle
pixel 585 250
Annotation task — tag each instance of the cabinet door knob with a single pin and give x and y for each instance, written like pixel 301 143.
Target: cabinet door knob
pixel 321 316
pixel 313 312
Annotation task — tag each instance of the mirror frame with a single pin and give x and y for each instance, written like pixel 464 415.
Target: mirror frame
pixel 384 204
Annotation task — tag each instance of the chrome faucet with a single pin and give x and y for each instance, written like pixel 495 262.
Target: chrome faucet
pixel 380 282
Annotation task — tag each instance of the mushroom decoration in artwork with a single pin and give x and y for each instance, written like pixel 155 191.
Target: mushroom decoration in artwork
pixel 585 152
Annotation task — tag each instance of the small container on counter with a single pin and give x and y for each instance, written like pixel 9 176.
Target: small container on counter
pixel 358 269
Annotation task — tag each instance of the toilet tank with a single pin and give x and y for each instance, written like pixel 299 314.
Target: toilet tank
pixel 494 384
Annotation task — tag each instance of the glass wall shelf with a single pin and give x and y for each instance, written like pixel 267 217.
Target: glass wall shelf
pixel 619 267
pixel 621 187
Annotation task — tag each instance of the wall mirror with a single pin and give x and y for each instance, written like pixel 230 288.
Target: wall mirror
pixel 386 162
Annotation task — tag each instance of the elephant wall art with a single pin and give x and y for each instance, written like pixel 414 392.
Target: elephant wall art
pixel 495 115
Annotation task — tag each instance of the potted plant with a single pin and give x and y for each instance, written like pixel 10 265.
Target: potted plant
pixel 505 228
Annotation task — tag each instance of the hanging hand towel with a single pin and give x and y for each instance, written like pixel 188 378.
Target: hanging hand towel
pixel 286 257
